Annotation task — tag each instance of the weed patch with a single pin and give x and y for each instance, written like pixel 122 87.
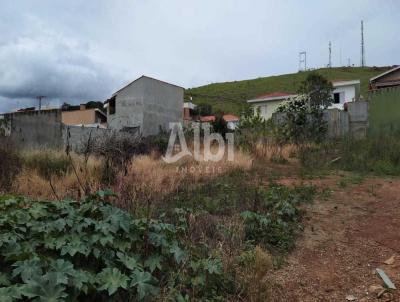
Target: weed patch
pixel 93 251
pixel 10 167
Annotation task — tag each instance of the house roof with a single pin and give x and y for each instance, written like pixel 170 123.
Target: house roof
pixel 385 73
pixel 338 83
pixel 226 117
pixel 272 96
pixel 144 76
pixel 189 105
pixel 207 118
pixel 230 118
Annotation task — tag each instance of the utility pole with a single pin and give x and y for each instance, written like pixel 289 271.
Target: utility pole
pixel 303 61
pixel 330 55
pixel 362 63
pixel 40 97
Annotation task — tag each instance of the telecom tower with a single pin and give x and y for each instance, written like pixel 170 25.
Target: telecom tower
pixel 330 55
pixel 40 97
pixel 303 61
pixel 362 63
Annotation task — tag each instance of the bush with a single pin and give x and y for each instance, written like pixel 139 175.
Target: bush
pixel 10 166
pixel 117 150
pixel 299 122
pixel 47 163
pixel 278 221
pixel 379 155
pixel 93 251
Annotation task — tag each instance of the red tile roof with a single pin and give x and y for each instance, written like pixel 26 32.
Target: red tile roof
pixel 226 117
pixel 207 118
pixel 230 118
pixel 274 95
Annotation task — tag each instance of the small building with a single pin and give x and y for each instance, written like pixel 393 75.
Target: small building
pixel 188 111
pixel 84 116
pixel 267 104
pixel 390 78
pixel 144 106
pixel 231 120
pixel 344 91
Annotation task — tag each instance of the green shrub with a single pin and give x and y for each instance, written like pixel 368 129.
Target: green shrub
pixel 378 155
pixel 278 221
pixel 93 251
pixel 47 163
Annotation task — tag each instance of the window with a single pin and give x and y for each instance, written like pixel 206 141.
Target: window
pixel 111 106
pixel 336 98
pixel 264 110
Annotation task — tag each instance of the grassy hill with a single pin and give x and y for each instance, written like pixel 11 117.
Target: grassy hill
pixel 230 97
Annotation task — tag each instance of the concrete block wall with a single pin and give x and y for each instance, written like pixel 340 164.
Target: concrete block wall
pixel 34 129
pixel 77 137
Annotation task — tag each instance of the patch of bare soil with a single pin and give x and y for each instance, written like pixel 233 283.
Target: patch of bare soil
pixel 347 236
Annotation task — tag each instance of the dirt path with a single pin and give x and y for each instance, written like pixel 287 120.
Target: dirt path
pixel 347 236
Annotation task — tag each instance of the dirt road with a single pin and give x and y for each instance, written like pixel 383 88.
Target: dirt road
pixel 348 234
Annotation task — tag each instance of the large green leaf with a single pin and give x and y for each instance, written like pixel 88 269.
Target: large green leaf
pixel 145 284
pixel 153 262
pixel 62 270
pixel 27 269
pixel 178 253
pixel 82 279
pixel 4 279
pixel 213 266
pixel 130 262
pixel 37 210
pixel 44 289
pixel 74 244
pixel 9 294
pixel 111 279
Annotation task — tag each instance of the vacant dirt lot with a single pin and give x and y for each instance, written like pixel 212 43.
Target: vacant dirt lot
pixel 349 233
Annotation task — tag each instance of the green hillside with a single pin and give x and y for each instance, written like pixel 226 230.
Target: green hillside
pixel 230 97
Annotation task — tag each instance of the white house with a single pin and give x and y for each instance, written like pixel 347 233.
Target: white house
pixel 268 103
pixel 344 92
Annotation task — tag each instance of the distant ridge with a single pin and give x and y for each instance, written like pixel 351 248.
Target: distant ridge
pixel 230 97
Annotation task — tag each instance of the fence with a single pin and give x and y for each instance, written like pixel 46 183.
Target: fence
pixel 44 129
pixel 384 112
pixel 353 122
pixel 33 129
pixel 77 137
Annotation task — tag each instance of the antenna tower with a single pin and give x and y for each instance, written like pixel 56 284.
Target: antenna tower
pixel 303 61
pixel 330 55
pixel 362 45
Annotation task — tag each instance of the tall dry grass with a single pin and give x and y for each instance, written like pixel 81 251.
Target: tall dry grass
pixel 51 174
pixel 48 174
pixel 149 178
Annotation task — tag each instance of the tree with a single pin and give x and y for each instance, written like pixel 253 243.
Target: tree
pixel 253 131
pixel 219 125
pixel 299 123
pixel 203 109
pixel 319 90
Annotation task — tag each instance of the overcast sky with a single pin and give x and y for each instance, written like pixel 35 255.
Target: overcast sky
pixel 81 50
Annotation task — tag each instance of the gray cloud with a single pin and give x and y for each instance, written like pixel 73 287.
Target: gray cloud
pixel 53 67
